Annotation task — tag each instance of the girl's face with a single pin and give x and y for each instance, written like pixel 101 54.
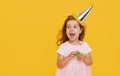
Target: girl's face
pixel 73 30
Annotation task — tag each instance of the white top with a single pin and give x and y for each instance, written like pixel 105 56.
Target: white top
pixel 66 48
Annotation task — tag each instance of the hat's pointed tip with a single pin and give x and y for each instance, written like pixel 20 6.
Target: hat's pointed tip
pixel 81 16
pixel 92 4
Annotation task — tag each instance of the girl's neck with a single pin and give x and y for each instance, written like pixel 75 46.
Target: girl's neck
pixel 74 42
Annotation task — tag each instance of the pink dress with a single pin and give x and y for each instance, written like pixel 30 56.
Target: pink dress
pixel 74 67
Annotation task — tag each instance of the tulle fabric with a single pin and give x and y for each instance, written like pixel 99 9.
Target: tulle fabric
pixel 74 68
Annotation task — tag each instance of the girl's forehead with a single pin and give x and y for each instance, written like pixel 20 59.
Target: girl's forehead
pixel 72 22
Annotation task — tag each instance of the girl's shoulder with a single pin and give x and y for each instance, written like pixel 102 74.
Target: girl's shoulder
pixel 64 44
pixel 82 42
pixel 85 47
pixel 63 49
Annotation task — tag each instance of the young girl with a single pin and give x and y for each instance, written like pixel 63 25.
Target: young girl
pixel 71 43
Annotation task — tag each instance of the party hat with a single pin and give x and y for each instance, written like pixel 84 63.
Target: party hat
pixel 81 16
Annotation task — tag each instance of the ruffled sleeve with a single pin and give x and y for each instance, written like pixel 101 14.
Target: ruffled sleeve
pixel 61 50
pixel 85 48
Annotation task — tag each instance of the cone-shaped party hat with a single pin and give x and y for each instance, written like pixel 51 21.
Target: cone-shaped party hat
pixel 81 16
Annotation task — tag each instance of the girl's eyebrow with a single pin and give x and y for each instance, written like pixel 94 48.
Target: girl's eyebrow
pixel 75 24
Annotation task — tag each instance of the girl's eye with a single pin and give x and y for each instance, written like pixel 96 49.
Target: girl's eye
pixel 68 27
pixel 75 26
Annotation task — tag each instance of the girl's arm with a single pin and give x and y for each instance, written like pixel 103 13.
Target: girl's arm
pixel 63 61
pixel 87 59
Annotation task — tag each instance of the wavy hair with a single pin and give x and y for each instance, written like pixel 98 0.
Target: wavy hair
pixel 62 36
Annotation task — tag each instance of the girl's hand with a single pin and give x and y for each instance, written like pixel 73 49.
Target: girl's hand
pixel 86 58
pixel 81 57
pixel 72 54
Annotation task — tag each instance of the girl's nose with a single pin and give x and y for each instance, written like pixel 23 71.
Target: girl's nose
pixel 71 29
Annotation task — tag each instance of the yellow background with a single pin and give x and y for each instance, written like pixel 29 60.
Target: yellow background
pixel 28 30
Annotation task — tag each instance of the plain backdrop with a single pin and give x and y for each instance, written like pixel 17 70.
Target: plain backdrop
pixel 29 28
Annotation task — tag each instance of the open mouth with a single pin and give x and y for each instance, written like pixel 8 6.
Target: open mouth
pixel 72 34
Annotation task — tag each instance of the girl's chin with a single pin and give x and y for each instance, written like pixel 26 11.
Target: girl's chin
pixel 71 40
